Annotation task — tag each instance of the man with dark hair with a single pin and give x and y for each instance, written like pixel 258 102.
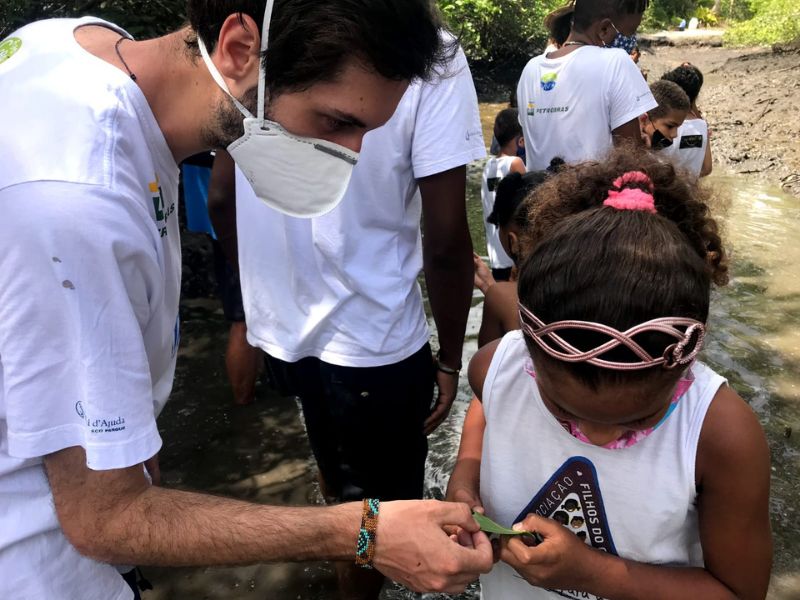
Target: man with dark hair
pixel 90 279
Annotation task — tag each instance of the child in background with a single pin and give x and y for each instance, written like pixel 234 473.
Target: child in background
pixel 510 216
pixel 508 133
pixel 693 149
pixel 660 125
pixel 596 426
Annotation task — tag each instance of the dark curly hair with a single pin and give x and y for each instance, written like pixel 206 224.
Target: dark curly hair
pixel 513 191
pixel 689 78
pixel 310 41
pixel 591 262
pixel 669 96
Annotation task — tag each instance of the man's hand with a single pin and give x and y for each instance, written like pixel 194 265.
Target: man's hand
pixel 447 385
pixel 413 548
pixel 561 561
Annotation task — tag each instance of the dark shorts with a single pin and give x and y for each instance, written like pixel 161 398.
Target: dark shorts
pixel 502 274
pixel 365 425
pixel 229 289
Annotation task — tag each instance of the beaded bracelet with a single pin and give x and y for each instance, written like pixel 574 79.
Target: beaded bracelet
pixel 365 547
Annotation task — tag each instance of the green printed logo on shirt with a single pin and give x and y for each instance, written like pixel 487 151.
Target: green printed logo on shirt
pixel 9 47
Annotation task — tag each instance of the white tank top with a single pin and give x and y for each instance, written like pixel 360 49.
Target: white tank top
pixel 496 168
pixel 689 149
pixel 637 502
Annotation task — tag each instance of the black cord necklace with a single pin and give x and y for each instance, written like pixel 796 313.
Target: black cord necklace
pixel 116 47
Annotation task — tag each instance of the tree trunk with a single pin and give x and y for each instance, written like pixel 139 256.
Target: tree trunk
pixel 717 7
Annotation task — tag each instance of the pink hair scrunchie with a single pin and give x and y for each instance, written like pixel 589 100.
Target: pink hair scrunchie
pixel 632 198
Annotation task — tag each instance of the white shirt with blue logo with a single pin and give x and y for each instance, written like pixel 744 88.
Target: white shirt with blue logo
pixel 569 106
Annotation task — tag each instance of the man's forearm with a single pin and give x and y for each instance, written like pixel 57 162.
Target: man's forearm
pixel 118 517
pixel 449 282
pixel 447 256
pixel 178 528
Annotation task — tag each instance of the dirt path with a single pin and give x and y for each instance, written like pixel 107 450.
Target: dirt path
pixel 750 100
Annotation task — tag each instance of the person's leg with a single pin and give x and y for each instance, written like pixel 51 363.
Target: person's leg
pixel 243 364
pixel 379 414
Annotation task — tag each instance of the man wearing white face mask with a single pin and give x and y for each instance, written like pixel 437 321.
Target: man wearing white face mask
pixel 90 277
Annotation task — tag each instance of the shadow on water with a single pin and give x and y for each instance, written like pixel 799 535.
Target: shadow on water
pixel 260 452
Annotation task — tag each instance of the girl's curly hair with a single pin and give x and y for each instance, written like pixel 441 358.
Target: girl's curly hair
pixel 678 198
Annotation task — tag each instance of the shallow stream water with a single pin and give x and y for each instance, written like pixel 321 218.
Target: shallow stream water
pixel 260 452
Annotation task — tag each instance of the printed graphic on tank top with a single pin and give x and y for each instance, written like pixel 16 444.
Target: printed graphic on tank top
pixel 573 498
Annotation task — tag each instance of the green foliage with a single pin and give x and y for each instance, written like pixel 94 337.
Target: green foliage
pixel 706 17
pixel 498 30
pixel 142 18
pixel 666 14
pixel 775 21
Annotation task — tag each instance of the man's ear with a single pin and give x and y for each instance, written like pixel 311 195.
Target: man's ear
pixel 521 142
pixel 237 53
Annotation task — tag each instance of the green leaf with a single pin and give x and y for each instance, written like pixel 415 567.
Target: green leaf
pixel 490 526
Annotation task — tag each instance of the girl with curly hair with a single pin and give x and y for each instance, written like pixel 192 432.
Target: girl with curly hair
pixel 596 426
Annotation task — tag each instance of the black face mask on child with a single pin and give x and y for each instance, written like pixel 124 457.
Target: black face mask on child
pixel 659 141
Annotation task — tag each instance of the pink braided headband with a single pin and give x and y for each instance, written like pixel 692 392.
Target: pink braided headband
pixel 682 352
pixel 632 198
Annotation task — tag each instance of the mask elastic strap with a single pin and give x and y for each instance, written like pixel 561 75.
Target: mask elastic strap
pixel 262 73
pixel 212 68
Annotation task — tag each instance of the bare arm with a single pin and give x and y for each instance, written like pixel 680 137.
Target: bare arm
pixel 499 312
pixel 733 476
pixel 222 205
pixel 518 166
pixel 116 516
pixel 448 267
pixel 465 481
pixel 707 164
pixel 464 484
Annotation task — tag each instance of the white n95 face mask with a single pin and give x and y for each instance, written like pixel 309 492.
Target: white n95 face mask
pixel 295 175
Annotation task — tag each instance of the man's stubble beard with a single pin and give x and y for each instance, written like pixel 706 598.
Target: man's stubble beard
pixel 227 123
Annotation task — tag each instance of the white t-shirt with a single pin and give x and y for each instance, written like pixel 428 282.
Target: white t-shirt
pixel 569 106
pixel 496 168
pixel 89 289
pixel 637 502
pixel 343 287
pixel 689 149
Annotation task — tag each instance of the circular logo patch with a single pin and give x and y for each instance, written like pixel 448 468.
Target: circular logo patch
pixel 9 47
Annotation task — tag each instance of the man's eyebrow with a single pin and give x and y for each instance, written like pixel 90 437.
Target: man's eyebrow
pixel 347 118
